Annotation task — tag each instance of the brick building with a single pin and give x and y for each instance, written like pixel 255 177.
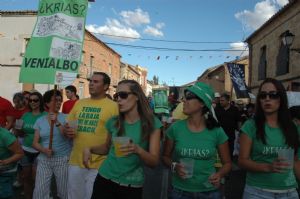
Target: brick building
pixel 97 56
pixel 269 56
pixel 136 73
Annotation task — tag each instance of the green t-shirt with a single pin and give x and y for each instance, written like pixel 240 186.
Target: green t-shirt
pixel 29 120
pixel 200 146
pixel 6 139
pixel 129 169
pixel 266 153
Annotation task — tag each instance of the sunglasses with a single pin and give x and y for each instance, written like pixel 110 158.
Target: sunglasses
pixel 272 95
pixel 189 95
pixel 122 94
pixel 34 100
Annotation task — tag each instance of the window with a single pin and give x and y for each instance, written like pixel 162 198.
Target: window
pixel 282 61
pixel 109 69
pixel 81 90
pixel 262 66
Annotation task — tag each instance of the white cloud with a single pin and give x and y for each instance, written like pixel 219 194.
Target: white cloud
pixel 160 25
pixel 282 2
pixel 156 32
pixel 239 46
pixel 135 18
pixel 114 27
pixel 124 27
pixel 262 12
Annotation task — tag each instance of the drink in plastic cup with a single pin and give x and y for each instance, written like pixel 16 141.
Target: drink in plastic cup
pixel 170 120
pixel 188 164
pixel 19 124
pixel 287 155
pixel 73 124
pixel 118 142
pixel 164 118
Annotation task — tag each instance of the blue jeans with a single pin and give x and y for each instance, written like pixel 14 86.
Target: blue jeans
pixel 179 194
pixel 256 193
pixel 6 184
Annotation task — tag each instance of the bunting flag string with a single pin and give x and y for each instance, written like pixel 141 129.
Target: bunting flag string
pixel 188 57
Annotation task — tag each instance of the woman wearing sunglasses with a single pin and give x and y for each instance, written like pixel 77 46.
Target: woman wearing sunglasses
pixel 191 146
pixel 263 139
pixel 121 176
pixel 28 162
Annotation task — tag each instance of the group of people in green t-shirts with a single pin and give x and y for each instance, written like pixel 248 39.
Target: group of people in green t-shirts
pixel 190 146
pixel 263 140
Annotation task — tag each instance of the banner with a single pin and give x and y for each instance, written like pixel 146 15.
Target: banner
pixel 53 54
pixel 161 104
pixel 237 75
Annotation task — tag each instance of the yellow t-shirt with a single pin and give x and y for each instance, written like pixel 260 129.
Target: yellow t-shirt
pixel 92 116
pixel 178 114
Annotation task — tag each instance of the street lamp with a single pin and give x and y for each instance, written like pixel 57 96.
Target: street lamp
pixel 287 39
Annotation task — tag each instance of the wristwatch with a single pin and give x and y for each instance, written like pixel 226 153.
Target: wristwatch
pixel 173 166
pixel 57 124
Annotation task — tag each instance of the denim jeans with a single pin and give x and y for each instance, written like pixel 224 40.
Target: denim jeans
pixel 180 194
pixel 256 193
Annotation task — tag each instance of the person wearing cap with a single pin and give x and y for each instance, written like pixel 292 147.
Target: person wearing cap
pixel 198 138
pixel 216 101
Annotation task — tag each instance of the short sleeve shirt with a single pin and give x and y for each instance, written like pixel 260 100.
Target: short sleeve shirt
pixel 91 115
pixel 128 169
pixel 6 139
pixel 61 145
pixel 200 146
pixel 267 153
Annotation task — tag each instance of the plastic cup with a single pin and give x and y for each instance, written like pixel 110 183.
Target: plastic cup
pixel 19 124
pixel 164 118
pixel 188 165
pixel 287 155
pixel 170 120
pixel 73 124
pixel 118 143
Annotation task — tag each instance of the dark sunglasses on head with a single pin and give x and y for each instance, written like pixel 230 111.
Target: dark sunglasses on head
pixel 34 100
pixel 189 95
pixel 122 94
pixel 272 95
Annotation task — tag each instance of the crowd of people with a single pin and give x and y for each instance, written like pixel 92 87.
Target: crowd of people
pixel 97 147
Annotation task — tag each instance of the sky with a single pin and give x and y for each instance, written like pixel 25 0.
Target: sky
pixel 176 40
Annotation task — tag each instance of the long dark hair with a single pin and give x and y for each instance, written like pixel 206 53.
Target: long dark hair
pixel 39 95
pixel 210 121
pixel 144 110
pixel 284 118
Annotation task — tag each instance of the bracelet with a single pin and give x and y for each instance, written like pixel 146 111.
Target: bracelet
pixel 173 167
